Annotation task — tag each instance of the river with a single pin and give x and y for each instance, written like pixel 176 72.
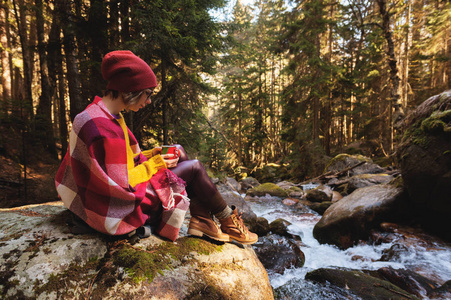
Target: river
pixel 430 259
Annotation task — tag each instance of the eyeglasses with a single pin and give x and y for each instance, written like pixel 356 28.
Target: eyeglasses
pixel 149 94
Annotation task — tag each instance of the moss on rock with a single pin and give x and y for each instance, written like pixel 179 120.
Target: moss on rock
pixel 438 122
pixel 141 264
pixel 268 188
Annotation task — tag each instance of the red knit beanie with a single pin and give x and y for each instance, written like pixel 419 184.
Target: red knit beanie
pixel 126 72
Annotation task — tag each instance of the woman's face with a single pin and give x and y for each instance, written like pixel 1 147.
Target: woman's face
pixel 144 99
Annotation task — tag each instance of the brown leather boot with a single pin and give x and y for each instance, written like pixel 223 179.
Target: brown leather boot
pixel 199 226
pixel 236 229
pixel 202 223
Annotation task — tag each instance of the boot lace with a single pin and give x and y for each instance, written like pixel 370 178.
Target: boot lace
pixel 238 221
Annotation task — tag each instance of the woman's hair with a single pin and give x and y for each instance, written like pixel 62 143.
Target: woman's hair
pixel 129 98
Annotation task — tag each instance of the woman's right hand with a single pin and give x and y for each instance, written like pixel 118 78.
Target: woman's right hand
pixel 151 153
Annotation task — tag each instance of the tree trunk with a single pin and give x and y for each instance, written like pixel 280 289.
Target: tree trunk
pixel 113 23
pixel 5 56
pixel 164 103
pixel 77 102
pixel 405 66
pixel 19 13
pixel 57 81
pixel 125 21
pixel 394 78
pixel 99 44
pixel 240 128
pixel 43 125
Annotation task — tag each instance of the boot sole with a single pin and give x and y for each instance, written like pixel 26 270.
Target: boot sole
pixel 243 242
pixel 198 233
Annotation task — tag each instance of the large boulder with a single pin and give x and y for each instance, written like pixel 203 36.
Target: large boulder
pixel 424 156
pixel 351 219
pixel 41 259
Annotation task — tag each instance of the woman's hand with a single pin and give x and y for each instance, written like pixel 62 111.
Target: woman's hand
pixel 171 163
pixel 156 151
pixel 151 153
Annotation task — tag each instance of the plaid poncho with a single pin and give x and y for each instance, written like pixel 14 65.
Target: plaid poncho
pixel 93 179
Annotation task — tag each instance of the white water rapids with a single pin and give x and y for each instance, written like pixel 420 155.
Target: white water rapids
pixel 433 263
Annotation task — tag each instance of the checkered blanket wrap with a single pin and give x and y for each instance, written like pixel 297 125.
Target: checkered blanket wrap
pixel 92 180
pixel 171 190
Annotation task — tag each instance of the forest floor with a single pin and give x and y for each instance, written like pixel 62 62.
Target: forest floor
pixel 39 186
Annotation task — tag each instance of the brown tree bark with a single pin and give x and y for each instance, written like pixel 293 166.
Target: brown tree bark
pixel 20 16
pixel 394 105
pixel 5 59
pixel 43 119
pixel 77 102
pixel 56 75
pixel 97 23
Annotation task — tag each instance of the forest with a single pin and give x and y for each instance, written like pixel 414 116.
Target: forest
pixel 241 85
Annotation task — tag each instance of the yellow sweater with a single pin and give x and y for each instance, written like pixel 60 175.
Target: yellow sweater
pixel 142 172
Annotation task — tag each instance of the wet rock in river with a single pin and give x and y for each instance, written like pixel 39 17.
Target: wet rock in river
pixel 280 227
pixel 359 283
pixel 259 226
pixel 278 254
pixel 394 252
pixel 317 195
pixel 290 201
pixel 320 207
pixel 409 281
pixel 351 219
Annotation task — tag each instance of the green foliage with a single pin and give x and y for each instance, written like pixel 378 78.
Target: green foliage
pixel 181 39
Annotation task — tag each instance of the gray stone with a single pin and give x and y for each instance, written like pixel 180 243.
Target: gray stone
pixel 351 219
pixel 41 259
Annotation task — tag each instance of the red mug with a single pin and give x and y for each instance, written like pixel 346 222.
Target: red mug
pixel 172 151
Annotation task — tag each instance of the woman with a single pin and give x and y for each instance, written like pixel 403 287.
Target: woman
pixel 104 177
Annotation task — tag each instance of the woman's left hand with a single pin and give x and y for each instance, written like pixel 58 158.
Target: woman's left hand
pixel 170 163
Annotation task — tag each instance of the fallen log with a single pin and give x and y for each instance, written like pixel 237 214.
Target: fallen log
pixel 331 174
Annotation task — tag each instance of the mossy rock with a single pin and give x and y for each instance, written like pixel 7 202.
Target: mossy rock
pixel 260 226
pixel 43 260
pixel 267 188
pixel 424 158
pixel 280 227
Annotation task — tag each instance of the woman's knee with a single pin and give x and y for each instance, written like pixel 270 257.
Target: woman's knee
pixel 196 165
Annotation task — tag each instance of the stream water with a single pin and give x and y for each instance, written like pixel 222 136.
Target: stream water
pixel 431 259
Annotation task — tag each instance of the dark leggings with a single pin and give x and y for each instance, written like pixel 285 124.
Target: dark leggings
pixel 201 190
